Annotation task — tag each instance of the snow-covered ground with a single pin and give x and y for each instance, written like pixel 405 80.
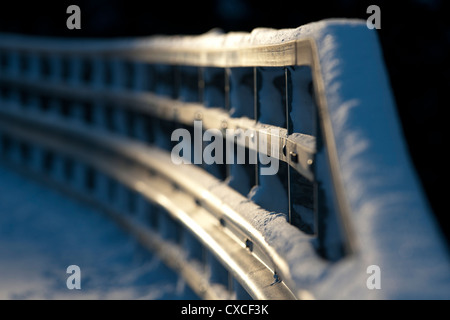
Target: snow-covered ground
pixel 42 232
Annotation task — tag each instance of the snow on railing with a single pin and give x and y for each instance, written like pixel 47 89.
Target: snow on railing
pixel 312 103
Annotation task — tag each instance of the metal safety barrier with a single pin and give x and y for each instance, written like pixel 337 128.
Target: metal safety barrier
pixel 96 119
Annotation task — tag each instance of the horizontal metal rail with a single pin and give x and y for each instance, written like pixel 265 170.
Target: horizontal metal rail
pixel 62 64
pixel 302 145
pixel 167 50
pixel 130 164
pixel 295 148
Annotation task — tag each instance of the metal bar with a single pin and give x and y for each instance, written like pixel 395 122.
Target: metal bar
pixel 283 54
pixel 291 53
pixel 253 270
pixel 333 159
pixel 185 113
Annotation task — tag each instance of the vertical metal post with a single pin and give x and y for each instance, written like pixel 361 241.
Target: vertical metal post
pixel 55 65
pixel 227 107
pixel 286 92
pixel 14 63
pixel 34 66
pixel 201 84
pixel 118 73
pixel 227 88
pixel 98 72
pixel 176 81
pixel 75 66
pixel 255 107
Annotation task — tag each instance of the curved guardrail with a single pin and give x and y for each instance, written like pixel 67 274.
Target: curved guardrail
pixel 97 119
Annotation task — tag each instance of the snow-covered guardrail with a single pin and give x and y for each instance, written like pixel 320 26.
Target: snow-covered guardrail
pixel 269 164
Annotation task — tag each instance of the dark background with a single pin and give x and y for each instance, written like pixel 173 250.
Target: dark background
pixel 414 35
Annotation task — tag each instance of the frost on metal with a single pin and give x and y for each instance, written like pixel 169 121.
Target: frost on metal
pixel 393 226
pixel 392 221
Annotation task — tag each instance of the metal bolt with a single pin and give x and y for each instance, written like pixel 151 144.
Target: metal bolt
pixel 249 244
pixel 198 116
pixel 294 156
